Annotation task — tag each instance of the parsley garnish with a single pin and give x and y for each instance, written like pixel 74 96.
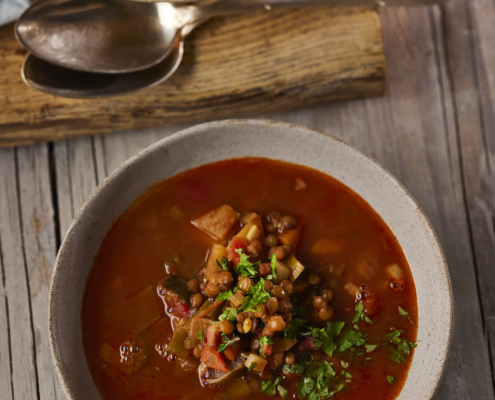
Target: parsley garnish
pixel 227 342
pixel 404 313
pixel 273 263
pixel 253 366
pixel 230 314
pixel 361 315
pixel 370 347
pixel 270 387
pixel 257 295
pixel 245 267
pixel 282 391
pixel 390 379
pixel 200 336
pixel 224 265
pixel 344 364
pixel 225 295
pixel 265 340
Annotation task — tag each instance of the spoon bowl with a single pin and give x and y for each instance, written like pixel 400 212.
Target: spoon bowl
pixel 115 36
pixel 59 81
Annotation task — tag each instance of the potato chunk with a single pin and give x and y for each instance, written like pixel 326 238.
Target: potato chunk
pixel 217 223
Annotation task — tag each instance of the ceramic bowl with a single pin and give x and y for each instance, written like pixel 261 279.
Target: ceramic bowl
pixel 216 141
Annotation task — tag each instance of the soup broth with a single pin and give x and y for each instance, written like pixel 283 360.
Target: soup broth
pixel 354 270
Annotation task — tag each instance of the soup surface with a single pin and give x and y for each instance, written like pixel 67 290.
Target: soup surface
pixel 250 278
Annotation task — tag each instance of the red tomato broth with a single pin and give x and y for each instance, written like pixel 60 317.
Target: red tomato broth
pixel 133 254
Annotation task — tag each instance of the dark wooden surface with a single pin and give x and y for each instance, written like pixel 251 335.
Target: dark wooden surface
pixel 233 66
pixel 435 130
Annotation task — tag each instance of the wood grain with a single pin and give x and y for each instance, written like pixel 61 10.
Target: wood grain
pixel 23 371
pixel 240 65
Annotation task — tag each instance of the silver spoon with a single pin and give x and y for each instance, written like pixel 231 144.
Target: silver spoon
pixel 65 82
pixel 119 36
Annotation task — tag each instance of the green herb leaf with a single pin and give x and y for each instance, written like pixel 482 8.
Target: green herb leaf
pixel 245 267
pixel 253 366
pixel 227 342
pixel 225 295
pixel 370 347
pixel 344 364
pixel 264 340
pixel 404 313
pixel 200 336
pixel 361 315
pixel 390 379
pixel 273 263
pixel 282 391
pixel 229 314
pixel 224 265
pixel 346 374
pixel 257 295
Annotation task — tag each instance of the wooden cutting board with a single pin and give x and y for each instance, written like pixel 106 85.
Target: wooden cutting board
pixel 234 66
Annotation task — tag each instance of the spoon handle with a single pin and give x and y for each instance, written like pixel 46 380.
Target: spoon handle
pixel 222 7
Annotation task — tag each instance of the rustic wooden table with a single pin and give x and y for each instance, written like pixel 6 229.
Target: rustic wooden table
pixel 435 130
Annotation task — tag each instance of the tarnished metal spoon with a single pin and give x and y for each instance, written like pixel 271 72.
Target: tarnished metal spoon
pixel 118 36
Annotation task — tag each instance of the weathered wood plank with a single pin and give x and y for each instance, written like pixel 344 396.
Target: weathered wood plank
pixel 20 324
pixel 39 242
pixel 470 37
pixel 293 58
pixel 5 371
pixel 76 177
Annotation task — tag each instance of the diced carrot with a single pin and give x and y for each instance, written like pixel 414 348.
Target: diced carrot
pixel 217 223
pixel 235 244
pixel 233 351
pixel 326 246
pixel 213 359
pixel 290 237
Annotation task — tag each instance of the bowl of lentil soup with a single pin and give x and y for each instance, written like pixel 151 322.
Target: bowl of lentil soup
pixel 250 259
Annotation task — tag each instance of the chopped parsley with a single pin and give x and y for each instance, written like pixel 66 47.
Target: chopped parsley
pixel 224 264
pixel 257 295
pixel 270 387
pixel 200 336
pixel 265 340
pixel 245 267
pixel 282 391
pixel 227 342
pixel 390 379
pixel 273 263
pixel 344 364
pixel 370 347
pixel 404 313
pixel 230 314
pixel 361 315
pixel 225 295
pixel 252 366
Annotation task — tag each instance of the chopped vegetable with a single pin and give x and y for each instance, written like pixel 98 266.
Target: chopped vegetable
pixel 390 379
pixel 326 246
pixel 293 263
pixel 361 315
pixel 142 309
pixel 394 271
pixel 227 342
pixel 281 344
pixel 256 362
pixel 224 264
pixel 217 254
pixel 290 237
pixel 266 348
pixel 213 359
pixel 179 287
pixel 245 267
pixel 217 223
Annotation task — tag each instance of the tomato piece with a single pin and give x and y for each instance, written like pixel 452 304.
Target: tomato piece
pixel 235 244
pixel 180 310
pixel 213 359
pixel 213 335
pixel 267 349
pixel 308 343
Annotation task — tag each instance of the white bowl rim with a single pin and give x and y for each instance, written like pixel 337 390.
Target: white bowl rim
pixel 198 129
